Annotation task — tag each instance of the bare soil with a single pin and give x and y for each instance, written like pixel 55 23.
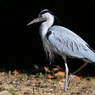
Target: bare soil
pixel 23 84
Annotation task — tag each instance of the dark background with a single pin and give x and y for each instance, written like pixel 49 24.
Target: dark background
pixel 21 46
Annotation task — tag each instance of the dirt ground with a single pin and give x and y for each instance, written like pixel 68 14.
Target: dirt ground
pixel 23 84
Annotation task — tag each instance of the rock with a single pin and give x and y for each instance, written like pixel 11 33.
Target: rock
pixel 5 93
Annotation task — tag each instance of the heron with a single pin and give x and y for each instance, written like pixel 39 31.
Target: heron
pixel 59 40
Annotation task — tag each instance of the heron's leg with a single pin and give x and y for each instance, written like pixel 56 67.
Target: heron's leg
pixel 85 63
pixel 66 72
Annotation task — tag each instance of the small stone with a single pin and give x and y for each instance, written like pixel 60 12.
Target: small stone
pixel 5 93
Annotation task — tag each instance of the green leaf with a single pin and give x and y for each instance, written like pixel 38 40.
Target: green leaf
pixel 58 76
pixel 36 66
pixel 85 79
pixel 53 81
pixel 11 90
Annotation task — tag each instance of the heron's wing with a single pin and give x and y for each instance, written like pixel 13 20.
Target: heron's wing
pixel 65 42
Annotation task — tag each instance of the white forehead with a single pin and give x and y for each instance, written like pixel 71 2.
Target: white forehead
pixel 46 13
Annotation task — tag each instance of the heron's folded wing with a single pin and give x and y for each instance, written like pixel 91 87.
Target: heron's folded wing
pixel 65 42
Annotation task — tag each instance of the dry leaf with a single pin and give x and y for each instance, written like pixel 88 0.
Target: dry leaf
pixel 50 76
pixel 55 69
pixel 62 74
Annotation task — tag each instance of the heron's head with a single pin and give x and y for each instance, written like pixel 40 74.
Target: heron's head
pixel 43 16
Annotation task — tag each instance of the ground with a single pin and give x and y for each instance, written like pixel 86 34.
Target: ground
pixel 15 83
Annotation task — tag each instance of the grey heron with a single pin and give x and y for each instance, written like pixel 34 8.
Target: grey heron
pixel 62 41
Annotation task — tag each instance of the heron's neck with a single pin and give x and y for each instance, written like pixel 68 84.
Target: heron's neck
pixel 45 26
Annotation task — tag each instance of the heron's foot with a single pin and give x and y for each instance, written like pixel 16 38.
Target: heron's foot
pixel 69 80
pixel 71 77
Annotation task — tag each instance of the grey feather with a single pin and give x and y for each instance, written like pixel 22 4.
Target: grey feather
pixel 65 42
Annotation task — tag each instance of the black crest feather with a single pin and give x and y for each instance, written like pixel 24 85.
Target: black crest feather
pixel 47 11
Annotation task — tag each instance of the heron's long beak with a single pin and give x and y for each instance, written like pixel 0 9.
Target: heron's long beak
pixel 36 20
pixel 33 21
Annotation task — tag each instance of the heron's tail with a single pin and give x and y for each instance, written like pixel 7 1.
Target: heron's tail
pixel 90 55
